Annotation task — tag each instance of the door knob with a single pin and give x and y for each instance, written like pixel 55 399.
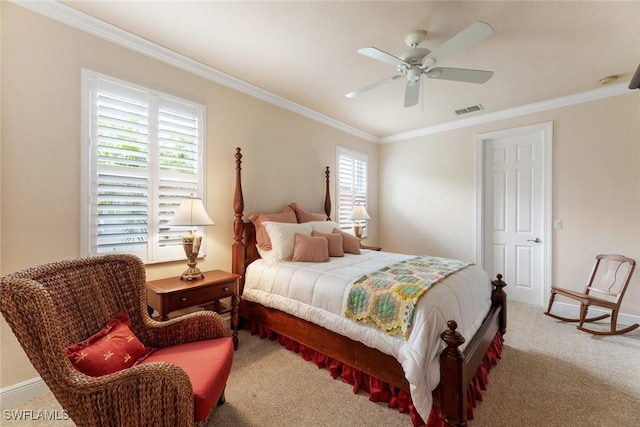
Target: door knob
pixel 536 240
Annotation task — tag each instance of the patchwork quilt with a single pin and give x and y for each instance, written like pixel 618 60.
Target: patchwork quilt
pixel 387 297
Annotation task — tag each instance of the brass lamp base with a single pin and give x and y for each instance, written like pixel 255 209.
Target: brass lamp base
pixel 191 246
pixel 192 273
pixel 358 229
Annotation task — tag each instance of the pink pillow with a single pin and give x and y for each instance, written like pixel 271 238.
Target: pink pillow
pixel 288 215
pixel 310 249
pixel 111 349
pixel 304 216
pixel 350 243
pixel 335 242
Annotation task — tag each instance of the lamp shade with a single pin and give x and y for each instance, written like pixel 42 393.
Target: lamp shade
pixel 191 212
pixel 359 213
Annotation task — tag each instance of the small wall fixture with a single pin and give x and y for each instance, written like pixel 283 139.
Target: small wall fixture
pixel 609 79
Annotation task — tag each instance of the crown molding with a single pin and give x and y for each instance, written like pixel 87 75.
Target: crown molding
pixel 81 21
pixel 536 107
pixel 69 16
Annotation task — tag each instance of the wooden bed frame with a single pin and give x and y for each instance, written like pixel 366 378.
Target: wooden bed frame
pixel 457 368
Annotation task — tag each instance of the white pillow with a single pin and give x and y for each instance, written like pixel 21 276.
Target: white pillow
pixel 283 237
pixel 268 255
pixel 323 226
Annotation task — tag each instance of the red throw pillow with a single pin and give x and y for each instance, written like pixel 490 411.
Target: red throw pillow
pixel 111 349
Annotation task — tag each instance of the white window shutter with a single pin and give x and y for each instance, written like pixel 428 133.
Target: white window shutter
pixel 146 154
pixel 352 184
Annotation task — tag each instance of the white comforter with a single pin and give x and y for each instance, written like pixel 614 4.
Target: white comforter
pixel 317 292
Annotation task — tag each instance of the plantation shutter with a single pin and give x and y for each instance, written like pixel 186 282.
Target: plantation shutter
pixel 179 165
pixel 122 128
pixel 352 184
pixel 146 156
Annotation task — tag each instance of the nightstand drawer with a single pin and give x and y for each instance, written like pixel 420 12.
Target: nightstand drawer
pixel 193 297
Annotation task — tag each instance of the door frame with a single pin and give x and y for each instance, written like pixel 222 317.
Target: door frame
pixel 546 129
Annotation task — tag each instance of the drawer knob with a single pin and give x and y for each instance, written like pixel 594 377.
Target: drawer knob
pixel 226 289
pixel 183 299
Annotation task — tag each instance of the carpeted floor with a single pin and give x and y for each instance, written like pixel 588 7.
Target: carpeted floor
pixel 550 375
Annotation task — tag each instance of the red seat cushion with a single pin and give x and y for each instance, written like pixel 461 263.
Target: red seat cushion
pixel 207 363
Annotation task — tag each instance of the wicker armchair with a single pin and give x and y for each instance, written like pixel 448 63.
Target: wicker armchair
pixel 53 306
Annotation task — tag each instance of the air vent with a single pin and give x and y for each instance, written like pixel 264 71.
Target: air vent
pixel 471 109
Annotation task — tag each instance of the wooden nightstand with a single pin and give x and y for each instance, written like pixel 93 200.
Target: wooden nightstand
pixel 172 294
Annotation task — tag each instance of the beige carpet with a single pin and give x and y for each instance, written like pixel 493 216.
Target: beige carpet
pixel 550 375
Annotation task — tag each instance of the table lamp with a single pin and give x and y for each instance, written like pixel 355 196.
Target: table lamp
pixel 358 215
pixel 191 213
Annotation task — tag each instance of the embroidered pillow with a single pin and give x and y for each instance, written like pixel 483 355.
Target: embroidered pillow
pixel 310 249
pixel 350 243
pixel 335 242
pixel 282 236
pixel 111 349
pixel 288 215
pixel 304 216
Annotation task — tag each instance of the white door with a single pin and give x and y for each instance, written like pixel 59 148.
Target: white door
pixel 515 202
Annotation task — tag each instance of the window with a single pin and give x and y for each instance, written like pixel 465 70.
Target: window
pixel 142 151
pixel 352 184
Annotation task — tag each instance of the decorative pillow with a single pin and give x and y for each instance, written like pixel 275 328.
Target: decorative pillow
pixel 350 243
pixel 111 349
pixel 282 236
pixel 323 226
pixel 288 215
pixel 335 242
pixel 310 249
pixel 304 216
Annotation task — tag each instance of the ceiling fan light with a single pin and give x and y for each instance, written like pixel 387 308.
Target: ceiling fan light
pixel 428 62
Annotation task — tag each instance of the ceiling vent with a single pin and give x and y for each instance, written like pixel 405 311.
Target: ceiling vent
pixel 471 109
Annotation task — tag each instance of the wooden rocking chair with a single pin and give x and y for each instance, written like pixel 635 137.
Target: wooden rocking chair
pixel 606 287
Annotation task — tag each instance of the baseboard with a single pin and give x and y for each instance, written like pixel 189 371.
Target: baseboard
pixel 21 392
pixel 573 310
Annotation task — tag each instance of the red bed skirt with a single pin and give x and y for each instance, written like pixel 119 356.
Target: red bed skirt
pixel 378 390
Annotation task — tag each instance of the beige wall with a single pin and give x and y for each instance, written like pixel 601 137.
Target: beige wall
pixel 428 189
pixel 284 153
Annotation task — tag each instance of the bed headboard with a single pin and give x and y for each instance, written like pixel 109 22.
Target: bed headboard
pixel 244 250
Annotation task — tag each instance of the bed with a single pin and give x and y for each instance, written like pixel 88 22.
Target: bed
pixel 432 363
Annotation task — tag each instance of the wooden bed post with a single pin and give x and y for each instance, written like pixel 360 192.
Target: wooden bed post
pixel 453 393
pixel 238 248
pixel 499 298
pixel 327 195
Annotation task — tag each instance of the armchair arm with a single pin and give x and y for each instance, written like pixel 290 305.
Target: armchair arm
pixel 136 396
pixel 198 326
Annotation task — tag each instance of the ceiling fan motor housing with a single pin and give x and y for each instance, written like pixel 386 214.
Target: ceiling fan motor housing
pixel 415 37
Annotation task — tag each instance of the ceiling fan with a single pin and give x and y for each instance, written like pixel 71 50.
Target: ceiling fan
pixel 417 61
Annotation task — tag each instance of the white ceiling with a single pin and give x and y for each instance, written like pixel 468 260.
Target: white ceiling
pixel 306 51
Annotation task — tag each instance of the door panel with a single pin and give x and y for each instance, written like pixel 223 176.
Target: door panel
pixel 515 203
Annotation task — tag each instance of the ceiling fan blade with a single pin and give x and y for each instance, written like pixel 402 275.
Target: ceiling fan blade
pixel 372 86
pixel 459 74
pixel 412 94
pixel 387 58
pixel 461 41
